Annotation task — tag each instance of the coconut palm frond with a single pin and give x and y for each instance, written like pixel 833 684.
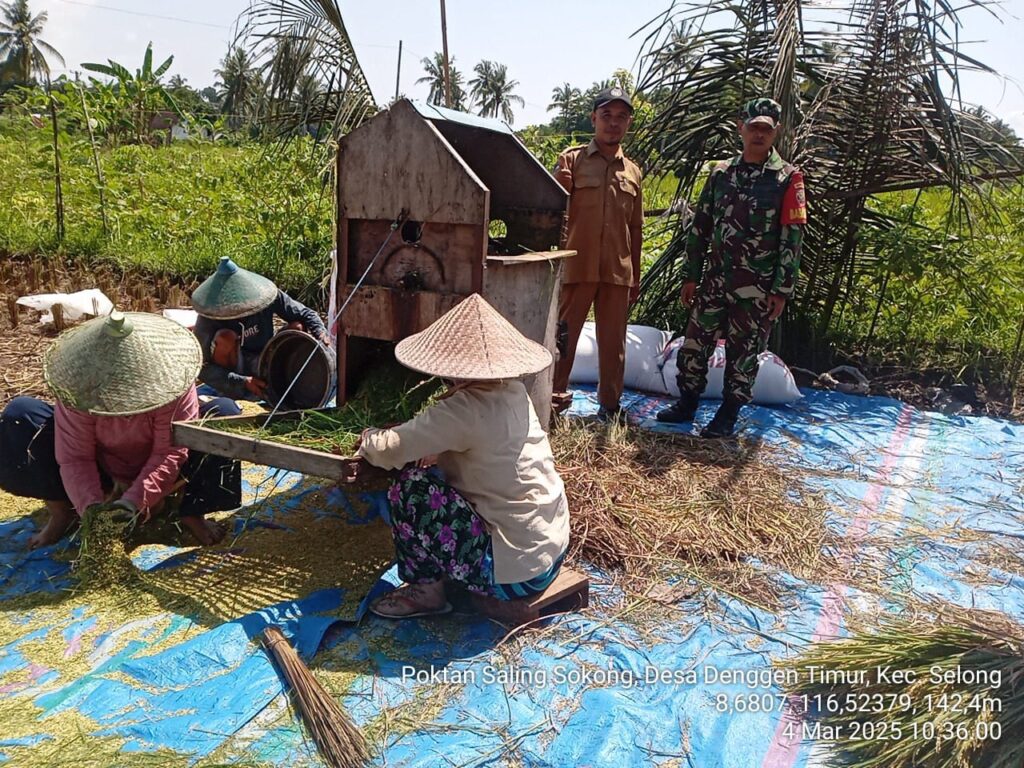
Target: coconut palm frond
pixel 865 112
pixel 311 70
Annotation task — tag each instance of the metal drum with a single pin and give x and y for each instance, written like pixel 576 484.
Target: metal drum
pixel 283 358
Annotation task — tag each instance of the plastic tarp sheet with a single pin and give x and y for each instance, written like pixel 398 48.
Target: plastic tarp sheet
pixel 600 688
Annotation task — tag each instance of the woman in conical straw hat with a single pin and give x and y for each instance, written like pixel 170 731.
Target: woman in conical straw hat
pixel 499 522
pixel 120 381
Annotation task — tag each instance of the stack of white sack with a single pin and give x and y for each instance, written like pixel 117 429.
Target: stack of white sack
pixel 651 367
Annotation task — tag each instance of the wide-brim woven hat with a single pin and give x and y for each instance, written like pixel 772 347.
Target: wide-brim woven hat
pixel 122 364
pixel 472 342
pixel 232 292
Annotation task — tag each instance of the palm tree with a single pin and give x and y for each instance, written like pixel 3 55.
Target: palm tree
pixel 567 100
pixel 20 43
pixel 992 128
pixel 595 88
pixel 435 77
pixel 238 85
pixel 624 80
pixel 308 97
pixel 492 90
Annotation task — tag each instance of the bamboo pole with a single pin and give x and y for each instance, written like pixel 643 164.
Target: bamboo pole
pixel 100 181
pixel 58 197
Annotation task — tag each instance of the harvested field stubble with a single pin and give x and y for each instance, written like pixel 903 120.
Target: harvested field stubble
pixel 655 506
pixel 23 342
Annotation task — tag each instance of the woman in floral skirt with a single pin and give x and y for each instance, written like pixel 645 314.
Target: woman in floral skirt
pixel 497 522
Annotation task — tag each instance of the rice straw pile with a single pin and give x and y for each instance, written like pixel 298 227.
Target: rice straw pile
pixel 964 705
pixel 656 506
pixel 386 396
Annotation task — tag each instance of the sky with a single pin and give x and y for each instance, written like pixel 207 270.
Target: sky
pixel 544 43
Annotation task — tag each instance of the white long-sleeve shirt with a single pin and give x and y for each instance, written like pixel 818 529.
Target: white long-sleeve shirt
pixel 491 447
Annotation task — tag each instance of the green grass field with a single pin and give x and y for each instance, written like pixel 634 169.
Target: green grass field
pixel 173 210
pixel 955 300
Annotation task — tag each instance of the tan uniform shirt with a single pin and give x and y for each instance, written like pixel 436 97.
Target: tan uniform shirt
pixel 605 202
pixel 490 446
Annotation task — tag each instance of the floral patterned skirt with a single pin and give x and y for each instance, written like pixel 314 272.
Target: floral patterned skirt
pixel 439 535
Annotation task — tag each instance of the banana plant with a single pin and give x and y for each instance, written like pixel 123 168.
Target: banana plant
pixel 142 93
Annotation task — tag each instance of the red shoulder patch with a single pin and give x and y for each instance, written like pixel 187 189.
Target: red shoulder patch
pixel 794 204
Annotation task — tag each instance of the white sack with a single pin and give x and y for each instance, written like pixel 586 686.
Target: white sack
pixel 643 345
pixel 76 305
pixel 774 384
pixel 183 317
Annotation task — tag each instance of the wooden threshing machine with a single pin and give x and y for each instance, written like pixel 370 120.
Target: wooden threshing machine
pixel 475 213
pixel 421 191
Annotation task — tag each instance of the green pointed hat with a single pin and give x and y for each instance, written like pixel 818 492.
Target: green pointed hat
pixel 122 364
pixel 232 292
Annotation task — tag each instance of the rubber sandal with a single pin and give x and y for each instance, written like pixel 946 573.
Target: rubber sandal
pixel 409 602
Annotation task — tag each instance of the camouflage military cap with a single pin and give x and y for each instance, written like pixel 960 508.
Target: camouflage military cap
pixel 764 111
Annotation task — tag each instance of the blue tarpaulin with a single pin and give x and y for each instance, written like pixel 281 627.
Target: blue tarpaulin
pixel 600 688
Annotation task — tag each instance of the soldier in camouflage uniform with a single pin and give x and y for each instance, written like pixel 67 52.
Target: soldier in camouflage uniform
pixel 752 210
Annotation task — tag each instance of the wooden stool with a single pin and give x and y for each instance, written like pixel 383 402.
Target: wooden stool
pixel 570 591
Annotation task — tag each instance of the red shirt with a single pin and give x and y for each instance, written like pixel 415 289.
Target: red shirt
pixel 135 451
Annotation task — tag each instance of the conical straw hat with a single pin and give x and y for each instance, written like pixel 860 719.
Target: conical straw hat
pixel 232 292
pixel 122 364
pixel 472 342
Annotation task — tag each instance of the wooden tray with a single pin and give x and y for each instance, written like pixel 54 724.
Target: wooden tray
pixel 200 436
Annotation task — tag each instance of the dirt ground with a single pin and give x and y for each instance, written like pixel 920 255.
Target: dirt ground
pixel 936 389
pixel 23 339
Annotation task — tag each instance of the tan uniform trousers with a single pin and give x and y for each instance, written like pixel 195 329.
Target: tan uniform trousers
pixel 611 310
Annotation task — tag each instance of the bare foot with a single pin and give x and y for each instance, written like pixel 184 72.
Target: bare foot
pixel 62 519
pixel 206 532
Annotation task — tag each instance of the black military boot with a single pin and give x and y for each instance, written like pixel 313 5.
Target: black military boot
pixel 682 411
pixel 724 422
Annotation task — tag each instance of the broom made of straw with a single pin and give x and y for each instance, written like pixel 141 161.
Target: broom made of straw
pixel 340 742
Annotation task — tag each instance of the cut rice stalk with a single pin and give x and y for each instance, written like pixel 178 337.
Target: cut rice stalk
pixel 939 693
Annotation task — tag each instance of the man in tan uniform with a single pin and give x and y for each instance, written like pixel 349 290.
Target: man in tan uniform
pixel 606 218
